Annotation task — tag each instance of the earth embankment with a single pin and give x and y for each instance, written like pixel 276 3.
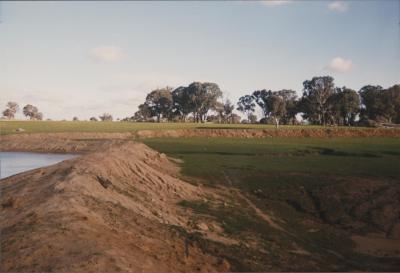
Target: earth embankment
pixel 257 133
pixel 106 211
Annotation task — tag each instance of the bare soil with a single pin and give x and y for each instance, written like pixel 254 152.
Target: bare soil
pixel 62 142
pixel 111 210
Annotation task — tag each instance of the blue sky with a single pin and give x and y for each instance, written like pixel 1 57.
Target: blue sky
pixel 86 58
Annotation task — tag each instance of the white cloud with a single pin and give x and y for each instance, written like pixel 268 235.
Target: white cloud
pixel 338 6
pixel 107 53
pixel 274 3
pixel 339 64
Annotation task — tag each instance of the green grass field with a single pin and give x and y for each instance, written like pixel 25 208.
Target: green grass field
pixel 213 158
pixel 10 126
pixel 273 171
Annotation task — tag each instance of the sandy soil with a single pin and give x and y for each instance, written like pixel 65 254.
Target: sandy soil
pixel 62 142
pixel 112 210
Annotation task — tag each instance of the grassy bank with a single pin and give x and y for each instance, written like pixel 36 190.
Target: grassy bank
pixel 303 181
pixel 10 127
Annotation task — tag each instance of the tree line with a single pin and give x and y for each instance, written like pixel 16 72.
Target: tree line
pixel 30 111
pixel 322 103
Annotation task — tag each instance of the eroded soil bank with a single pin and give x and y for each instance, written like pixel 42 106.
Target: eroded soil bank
pixel 86 142
pixel 256 133
pixel 89 142
pixel 106 211
pixel 61 142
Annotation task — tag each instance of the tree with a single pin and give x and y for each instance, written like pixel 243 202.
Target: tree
pixel 11 109
pixel 93 119
pixel 39 116
pixel 275 104
pixel 380 104
pixel 8 113
pixel 224 112
pixel 160 102
pixel 392 98
pixel 75 119
pixel 219 108
pixel 292 109
pixel 32 112
pixel 213 118
pixel 372 103
pixel 345 105
pixel 252 118
pixel 276 108
pixel 286 94
pixel 202 98
pixel 260 97
pixel 234 118
pixel 315 101
pixel 181 106
pixel 197 98
pixel 247 106
pixel 228 111
pixel 291 105
pixel 143 113
pixel 106 117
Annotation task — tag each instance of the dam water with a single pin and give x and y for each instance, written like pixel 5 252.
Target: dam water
pixel 16 162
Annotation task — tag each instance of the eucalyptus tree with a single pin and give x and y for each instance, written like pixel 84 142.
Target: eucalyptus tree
pixel 144 113
pixel 276 108
pixel 32 112
pixel 315 98
pixel 291 105
pixel 11 110
pixel 392 95
pixel 106 117
pixel 261 97
pixel 345 106
pixel 247 106
pixel 202 98
pixel 181 106
pixel 228 111
pixel 160 102
pixel 372 106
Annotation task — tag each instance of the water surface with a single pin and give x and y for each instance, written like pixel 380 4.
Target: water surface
pixel 16 162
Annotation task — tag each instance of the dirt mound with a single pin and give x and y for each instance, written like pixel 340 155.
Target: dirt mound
pixel 258 133
pixel 113 210
pixel 62 142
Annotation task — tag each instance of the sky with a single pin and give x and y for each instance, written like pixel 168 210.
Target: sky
pixel 86 58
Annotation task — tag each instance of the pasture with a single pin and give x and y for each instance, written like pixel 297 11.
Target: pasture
pixel 10 126
pixel 212 158
pixel 315 186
